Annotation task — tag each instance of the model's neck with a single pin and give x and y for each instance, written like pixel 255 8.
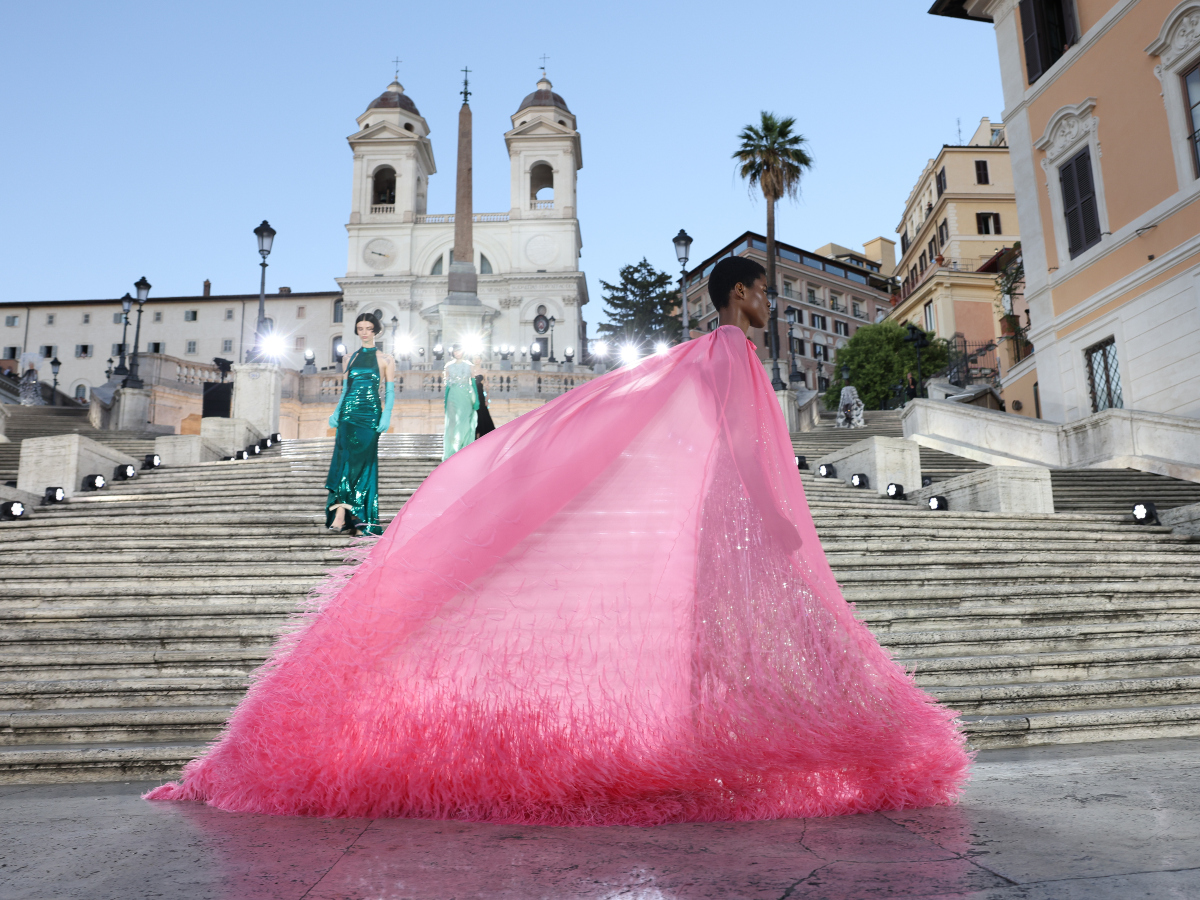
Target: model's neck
pixel 729 315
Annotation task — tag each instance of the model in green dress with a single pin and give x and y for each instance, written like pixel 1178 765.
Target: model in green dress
pixel 462 403
pixel 353 480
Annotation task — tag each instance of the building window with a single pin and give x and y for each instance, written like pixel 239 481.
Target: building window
pixel 338 308
pixel 929 322
pixel 933 251
pixel 944 233
pixel 1191 89
pixel 1080 211
pixel 820 351
pixel 227 345
pixel 87 318
pixel 485 265
pixel 842 328
pixel 797 346
pixel 228 315
pixel 12 321
pixel 83 351
pixel 81 392
pixel 921 262
pixel 437 267
pixel 49 318
pixel 384 187
pixel 812 296
pixel 789 289
pixel 1104 378
pixel 1048 29
pixel 301 312
pixel 48 351
pixel 822 384
pixel 818 321
pixel 856 309
pixel 987 223
pixel 835 303
pixel 118 317
pixel 118 349
pixel 158 315
pixel 941 181
pixel 160 347
pixel 1037 401
pixel 11 352
pixel 299 345
pixel 981 172
pixel 191 347
pixel 189 315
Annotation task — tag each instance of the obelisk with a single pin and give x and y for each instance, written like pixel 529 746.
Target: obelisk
pixel 463 281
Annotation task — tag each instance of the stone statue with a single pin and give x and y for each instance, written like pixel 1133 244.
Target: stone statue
pixel 850 409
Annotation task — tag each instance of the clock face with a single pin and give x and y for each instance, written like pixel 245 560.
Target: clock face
pixel 379 253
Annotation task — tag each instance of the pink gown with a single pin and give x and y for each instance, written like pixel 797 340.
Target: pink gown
pixel 614 610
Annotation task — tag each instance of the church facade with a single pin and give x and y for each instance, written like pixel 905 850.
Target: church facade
pixel 526 257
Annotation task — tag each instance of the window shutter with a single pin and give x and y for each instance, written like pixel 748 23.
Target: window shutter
pixel 1071 27
pixel 1070 198
pixel 1089 213
pixel 981 223
pixel 981 171
pixel 1033 50
pixel 996 224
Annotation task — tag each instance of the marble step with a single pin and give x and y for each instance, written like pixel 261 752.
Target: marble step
pixel 109 761
pixel 1060 667
pixel 917 647
pixel 1068 727
pixel 93 726
pixel 124 664
pixel 1067 696
pixel 1067 590
pixel 122 692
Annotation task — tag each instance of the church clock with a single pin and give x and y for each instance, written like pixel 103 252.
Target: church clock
pixel 379 253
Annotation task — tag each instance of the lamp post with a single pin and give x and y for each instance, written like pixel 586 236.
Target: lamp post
pixel 395 325
pixel 108 373
pixel 55 365
pixel 683 247
pixel 794 375
pixel 143 291
pixel 266 235
pixel 126 303
pixel 845 374
pixel 776 382
pixel 551 358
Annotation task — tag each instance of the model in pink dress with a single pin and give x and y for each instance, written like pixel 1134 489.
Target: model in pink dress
pixel 613 610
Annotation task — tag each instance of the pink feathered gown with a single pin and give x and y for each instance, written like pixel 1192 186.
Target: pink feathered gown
pixel 613 610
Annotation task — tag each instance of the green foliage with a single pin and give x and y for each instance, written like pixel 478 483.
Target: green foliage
pixel 879 358
pixel 772 157
pixel 643 306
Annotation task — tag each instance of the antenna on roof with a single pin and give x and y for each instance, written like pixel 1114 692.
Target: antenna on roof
pixel 959 121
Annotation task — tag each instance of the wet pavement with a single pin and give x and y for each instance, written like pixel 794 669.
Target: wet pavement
pixel 1094 821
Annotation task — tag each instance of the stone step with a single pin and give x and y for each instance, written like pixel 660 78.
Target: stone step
pixel 122 692
pixel 1058 667
pixel 918 646
pixel 1069 696
pixel 99 762
pixel 1068 727
pixel 125 664
pixel 91 726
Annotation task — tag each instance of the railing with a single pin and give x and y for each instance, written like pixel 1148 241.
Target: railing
pixel 169 371
pixel 383 210
pixel 859 314
pixel 837 307
pixel 541 204
pixel 448 218
pixel 326 387
pixel 973 362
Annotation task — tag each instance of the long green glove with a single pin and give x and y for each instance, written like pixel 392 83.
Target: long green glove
pixel 389 398
pixel 337 413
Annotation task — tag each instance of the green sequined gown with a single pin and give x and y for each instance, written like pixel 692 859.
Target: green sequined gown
pixel 353 477
pixel 461 405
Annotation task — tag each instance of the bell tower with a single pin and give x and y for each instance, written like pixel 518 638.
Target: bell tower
pixel 545 154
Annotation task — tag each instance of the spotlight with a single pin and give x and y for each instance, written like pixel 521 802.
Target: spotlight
pixel 265 444
pixel 54 495
pixel 13 509
pixel 801 463
pixel 825 470
pixel 896 491
pixel 859 480
pixel 94 482
pixel 600 349
pixel 276 438
pixel 253 450
pixel 630 355
pixel 124 472
pixel 535 351
pixel 274 345
pixel 926 481
pixel 661 347
pixel 240 454
pixel 938 503
pixel 151 461
pixel 472 345
pixel 1145 514
pixel 569 353
pixel 438 351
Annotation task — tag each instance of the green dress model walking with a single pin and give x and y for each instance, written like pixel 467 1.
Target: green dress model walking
pixel 462 403
pixel 353 480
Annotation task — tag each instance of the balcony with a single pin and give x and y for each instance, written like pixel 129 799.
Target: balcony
pixel 541 204
pixel 837 307
pixel 383 210
pixel 448 218
pixel 858 313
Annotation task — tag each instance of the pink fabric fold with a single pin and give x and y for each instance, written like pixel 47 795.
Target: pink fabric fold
pixel 613 610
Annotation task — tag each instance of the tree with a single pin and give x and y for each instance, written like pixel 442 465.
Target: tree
pixel 879 359
pixel 773 159
pixel 642 306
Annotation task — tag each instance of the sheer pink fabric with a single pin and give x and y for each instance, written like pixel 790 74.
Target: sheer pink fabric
pixel 613 610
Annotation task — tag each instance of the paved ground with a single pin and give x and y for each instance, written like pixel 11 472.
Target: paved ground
pixel 1099 821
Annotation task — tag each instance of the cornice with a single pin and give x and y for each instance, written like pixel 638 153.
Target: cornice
pixel 1179 34
pixel 1066 128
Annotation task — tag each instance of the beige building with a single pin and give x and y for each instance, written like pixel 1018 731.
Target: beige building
pixel 1102 105
pixel 828 294
pixel 959 221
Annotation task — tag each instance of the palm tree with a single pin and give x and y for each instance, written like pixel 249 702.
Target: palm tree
pixel 773 158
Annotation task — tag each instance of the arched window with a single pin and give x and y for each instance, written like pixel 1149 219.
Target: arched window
pixel 379 315
pixel 408 126
pixel 81 392
pixel 485 265
pixel 541 182
pixel 338 311
pixel 437 267
pixel 384 187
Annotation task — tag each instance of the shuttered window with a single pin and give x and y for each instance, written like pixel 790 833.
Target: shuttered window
pixel 1104 377
pixel 981 172
pixel 941 181
pixel 1048 29
pixel 987 223
pixel 1080 211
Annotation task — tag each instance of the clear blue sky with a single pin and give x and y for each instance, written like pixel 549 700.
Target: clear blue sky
pixel 150 138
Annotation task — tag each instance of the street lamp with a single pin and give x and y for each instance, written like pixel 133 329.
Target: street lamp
pixel 794 376
pixel 683 247
pixel 126 303
pixel 143 291
pixel 266 235
pixel 845 374
pixel 776 382
pixel 55 365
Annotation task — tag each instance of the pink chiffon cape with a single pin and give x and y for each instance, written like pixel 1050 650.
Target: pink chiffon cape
pixel 613 610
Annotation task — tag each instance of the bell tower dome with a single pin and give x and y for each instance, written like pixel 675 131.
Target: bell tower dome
pixel 393 160
pixel 545 153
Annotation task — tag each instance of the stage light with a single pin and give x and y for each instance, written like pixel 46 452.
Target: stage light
pixel 630 355
pixel 600 349
pixel 1146 514
pixel 340 350
pixel 124 472
pixel 265 444
pixel 896 491
pixel 276 438
pixel 472 345
pixel 826 470
pixel 274 345
pixel 240 454
pixel 151 461
pixel 662 347
pixel 801 463
pixel 569 353
pixel 94 482
pixel 926 481
pixel 54 495
pixel 253 450
pixel 859 480
pixel 938 503
pixel 13 509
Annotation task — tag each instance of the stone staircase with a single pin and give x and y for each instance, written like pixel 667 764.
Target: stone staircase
pixel 1116 490
pixel 44 421
pixel 1038 629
